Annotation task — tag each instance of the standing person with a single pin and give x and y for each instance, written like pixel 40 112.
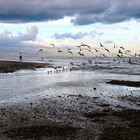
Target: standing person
pixel 20 57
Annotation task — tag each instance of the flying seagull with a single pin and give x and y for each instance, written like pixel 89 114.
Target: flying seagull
pixel 70 52
pixel 101 45
pixel 122 48
pixel 107 50
pixel 120 52
pixel 88 46
pixel 52 44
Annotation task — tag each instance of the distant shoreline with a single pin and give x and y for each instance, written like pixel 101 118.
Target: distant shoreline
pixel 12 66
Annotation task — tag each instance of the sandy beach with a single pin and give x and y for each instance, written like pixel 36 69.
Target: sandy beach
pixel 70 102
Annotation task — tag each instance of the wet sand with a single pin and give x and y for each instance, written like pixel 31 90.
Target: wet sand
pixel 12 66
pixel 73 115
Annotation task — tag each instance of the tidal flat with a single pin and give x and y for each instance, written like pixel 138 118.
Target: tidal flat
pixel 70 102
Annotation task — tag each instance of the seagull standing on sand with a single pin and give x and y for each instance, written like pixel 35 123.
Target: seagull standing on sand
pixel 59 50
pixel 90 61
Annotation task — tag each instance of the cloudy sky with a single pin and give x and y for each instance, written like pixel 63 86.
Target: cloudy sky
pixel 27 25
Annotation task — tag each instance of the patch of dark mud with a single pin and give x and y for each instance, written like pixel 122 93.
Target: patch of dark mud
pixel 117 125
pixel 34 132
pixel 130 115
pixel 120 133
pixel 125 83
pixel 104 105
pixel 95 114
pixel 129 131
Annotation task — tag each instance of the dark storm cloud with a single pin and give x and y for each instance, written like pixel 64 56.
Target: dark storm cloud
pixel 83 11
pixel 118 11
pixel 78 35
pixel 7 40
pixel 39 10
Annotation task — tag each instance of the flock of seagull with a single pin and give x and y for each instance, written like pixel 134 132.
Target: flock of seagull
pixel 121 52
pixel 57 69
pixel 101 51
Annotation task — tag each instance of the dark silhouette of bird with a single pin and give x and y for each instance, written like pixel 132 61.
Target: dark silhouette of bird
pixel 95 50
pixel 52 44
pixel 107 50
pixel 71 63
pixel 81 54
pixel 82 44
pixel 119 56
pixel 103 55
pixel 70 52
pixel 128 50
pixel 90 61
pixel 94 88
pixel 59 50
pixel 120 51
pixel 88 46
pixel 101 45
pixel 40 50
pixel 90 51
pixel 78 46
pixel 122 48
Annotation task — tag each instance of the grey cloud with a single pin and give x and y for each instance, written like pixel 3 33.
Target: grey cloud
pixel 109 42
pixel 30 35
pixel 118 11
pixel 83 11
pixel 11 42
pixel 16 11
pixel 78 35
pixel 70 35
